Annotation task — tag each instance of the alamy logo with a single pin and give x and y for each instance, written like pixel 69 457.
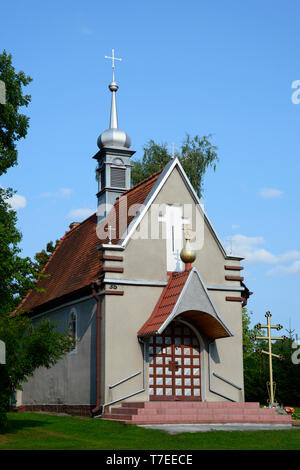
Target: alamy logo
pixel 296 95
pixel 2 92
pixel 296 354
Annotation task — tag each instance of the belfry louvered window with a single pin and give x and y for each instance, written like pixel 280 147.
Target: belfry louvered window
pixel 117 176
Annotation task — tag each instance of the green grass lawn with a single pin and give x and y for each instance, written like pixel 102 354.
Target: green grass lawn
pixel 37 431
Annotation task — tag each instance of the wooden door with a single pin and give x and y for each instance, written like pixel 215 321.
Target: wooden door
pixel 174 364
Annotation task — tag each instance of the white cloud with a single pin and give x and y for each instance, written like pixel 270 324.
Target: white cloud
pixel 80 213
pixel 234 226
pixel 270 193
pixel 86 30
pixel 65 192
pixel 241 245
pixel 293 269
pixel 251 249
pixel 62 193
pixel 17 202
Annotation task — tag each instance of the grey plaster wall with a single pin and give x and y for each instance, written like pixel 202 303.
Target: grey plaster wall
pixel 145 259
pixel 71 380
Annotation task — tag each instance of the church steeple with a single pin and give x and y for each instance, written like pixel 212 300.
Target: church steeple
pixel 113 137
pixel 113 157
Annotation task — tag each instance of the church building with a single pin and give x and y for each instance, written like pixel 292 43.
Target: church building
pixel 148 291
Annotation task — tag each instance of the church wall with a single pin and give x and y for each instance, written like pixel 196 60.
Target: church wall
pixel 123 352
pixel 210 260
pixel 127 313
pixel 71 380
pixel 227 353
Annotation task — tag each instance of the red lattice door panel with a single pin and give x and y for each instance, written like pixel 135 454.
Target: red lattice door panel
pixel 174 364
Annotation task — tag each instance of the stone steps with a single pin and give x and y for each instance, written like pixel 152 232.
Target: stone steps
pixel 178 412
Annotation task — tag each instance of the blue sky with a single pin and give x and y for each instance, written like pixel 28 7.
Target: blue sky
pixel 202 67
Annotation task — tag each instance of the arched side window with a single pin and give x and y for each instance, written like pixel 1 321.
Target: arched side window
pixel 73 323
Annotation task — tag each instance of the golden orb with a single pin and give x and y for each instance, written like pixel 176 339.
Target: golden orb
pixel 187 255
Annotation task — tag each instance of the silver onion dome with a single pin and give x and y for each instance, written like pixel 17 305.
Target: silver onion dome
pixel 113 137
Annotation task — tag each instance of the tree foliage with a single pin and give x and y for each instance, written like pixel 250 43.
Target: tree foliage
pixel 42 257
pixel 17 274
pixel 196 155
pixel 28 345
pixel 13 125
pixel 255 372
pixel 286 374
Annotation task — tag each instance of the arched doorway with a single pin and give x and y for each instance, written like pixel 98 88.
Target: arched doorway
pixel 174 364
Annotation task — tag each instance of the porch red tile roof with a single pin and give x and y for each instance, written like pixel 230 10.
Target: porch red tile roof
pixel 165 304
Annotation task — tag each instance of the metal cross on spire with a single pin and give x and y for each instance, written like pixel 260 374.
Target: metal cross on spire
pixel 113 58
pixel 110 229
pixel 187 232
pixel 172 147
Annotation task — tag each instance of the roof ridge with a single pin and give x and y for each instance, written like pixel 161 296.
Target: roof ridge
pixel 168 295
pixel 142 182
pixel 42 271
pixel 178 273
pixel 67 233
pixel 65 236
pixel 124 193
pixel 30 301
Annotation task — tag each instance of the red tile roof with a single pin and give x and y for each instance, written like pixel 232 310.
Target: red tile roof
pixel 165 304
pixel 210 325
pixel 133 198
pixel 75 263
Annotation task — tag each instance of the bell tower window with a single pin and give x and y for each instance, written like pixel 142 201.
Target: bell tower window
pixel 117 177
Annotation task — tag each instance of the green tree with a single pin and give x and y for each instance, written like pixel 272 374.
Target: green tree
pixel 286 374
pixel 42 257
pixel 16 274
pixel 255 365
pixel 28 346
pixel 196 155
pixel 13 125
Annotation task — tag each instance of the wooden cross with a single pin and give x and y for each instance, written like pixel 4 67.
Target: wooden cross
pixel 113 58
pixel 173 366
pixel 269 338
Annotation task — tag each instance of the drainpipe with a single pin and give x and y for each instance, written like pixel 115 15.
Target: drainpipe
pixel 98 350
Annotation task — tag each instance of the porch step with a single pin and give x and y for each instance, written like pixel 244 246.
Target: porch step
pixel 195 412
pixel 198 404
